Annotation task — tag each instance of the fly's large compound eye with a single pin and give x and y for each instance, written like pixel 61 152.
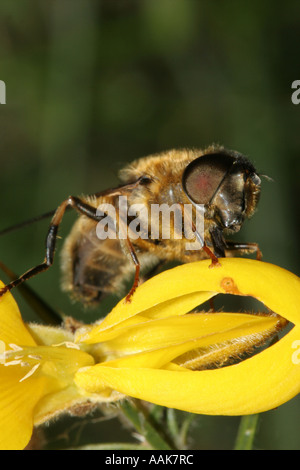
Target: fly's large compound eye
pixel 203 177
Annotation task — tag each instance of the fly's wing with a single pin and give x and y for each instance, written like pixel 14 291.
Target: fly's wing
pixel 119 190
pixel 93 266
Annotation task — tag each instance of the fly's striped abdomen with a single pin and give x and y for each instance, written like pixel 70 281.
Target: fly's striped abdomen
pixel 92 268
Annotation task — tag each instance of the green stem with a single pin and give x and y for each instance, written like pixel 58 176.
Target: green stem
pixel 111 446
pixel 140 421
pixel 246 432
pixel 172 424
pixel 185 428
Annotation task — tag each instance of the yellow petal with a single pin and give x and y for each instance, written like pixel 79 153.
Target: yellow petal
pixel 12 328
pixel 148 302
pixel 211 328
pixel 164 354
pixel 30 389
pixel 259 383
pixel 179 290
pixel 17 401
pixel 49 335
pixel 52 404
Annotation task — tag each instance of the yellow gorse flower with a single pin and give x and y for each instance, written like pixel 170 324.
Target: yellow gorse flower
pixel 155 350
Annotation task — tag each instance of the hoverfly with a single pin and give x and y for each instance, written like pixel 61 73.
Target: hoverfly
pixel 224 183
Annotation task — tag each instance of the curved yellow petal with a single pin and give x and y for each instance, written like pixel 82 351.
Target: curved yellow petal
pixel 168 351
pixel 147 305
pixel 179 290
pixel 259 383
pixel 214 329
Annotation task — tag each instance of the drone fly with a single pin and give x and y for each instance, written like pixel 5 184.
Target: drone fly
pixel 220 185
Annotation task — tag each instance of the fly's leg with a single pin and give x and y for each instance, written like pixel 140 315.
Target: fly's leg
pixel 123 230
pixel 200 239
pixel 214 259
pixel 77 204
pixel 137 271
pixel 244 248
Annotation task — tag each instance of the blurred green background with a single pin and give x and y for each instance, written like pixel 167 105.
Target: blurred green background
pixel 92 85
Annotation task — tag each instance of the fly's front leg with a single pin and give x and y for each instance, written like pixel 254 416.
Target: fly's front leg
pixel 137 271
pixel 200 239
pixel 123 230
pixel 244 248
pixel 226 248
pixel 77 204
